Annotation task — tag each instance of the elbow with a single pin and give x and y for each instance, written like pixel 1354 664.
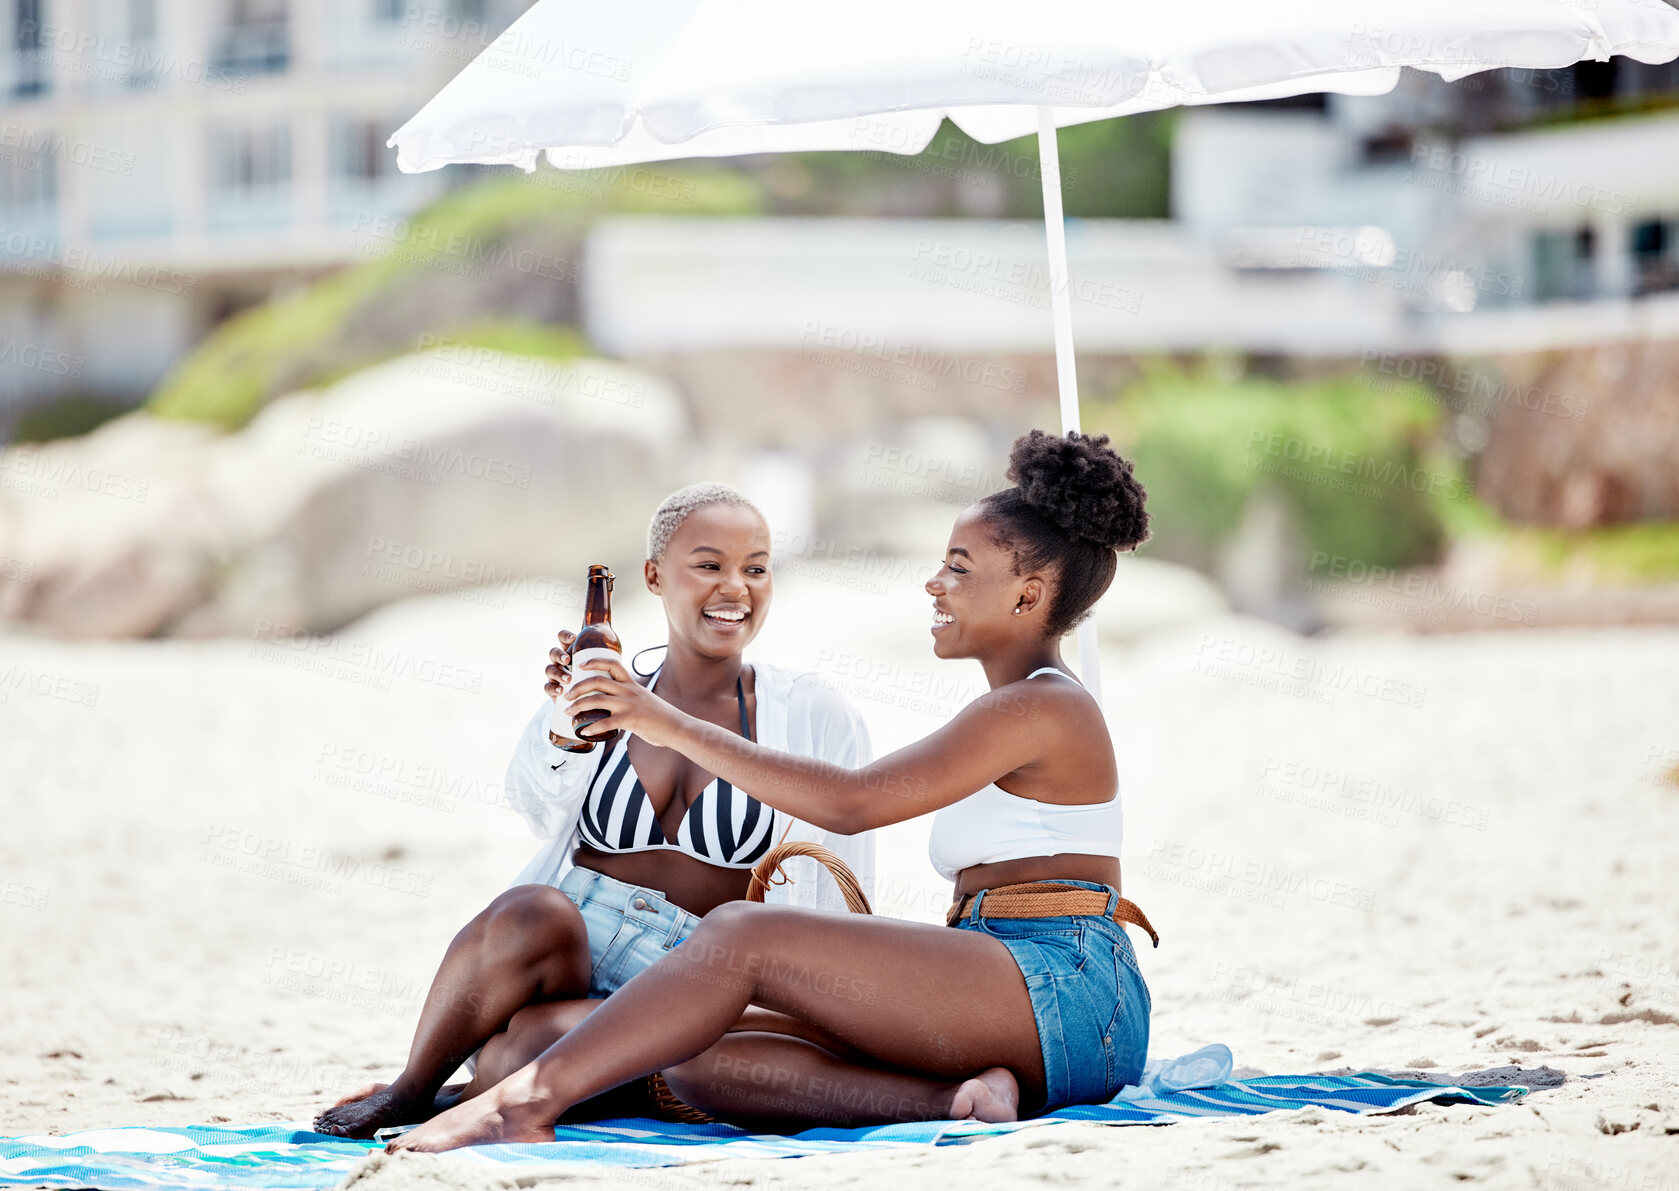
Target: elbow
pixel 853 812
pixel 841 811
pixel 846 822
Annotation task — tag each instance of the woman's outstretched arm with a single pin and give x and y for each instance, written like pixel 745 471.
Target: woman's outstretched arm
pixel 996 734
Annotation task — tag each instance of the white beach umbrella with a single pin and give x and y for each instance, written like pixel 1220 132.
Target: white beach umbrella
pixel 590 84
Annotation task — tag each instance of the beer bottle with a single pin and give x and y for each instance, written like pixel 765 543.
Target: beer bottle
pixel 595 639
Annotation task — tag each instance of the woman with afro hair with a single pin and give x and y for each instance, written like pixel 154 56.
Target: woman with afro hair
pixel 1030 999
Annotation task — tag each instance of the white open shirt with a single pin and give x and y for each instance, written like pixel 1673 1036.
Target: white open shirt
pixel 796 714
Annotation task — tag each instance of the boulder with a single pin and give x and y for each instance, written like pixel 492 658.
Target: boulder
pixel 103 535
pixel 1584 436
pixel 453 468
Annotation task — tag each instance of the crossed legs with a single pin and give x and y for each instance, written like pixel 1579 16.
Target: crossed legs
pixel 940 1014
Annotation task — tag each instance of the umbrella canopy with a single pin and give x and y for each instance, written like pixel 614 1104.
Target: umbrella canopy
pixel 590 84
pixel 603 84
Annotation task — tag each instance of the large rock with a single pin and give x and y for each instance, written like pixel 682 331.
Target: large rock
pixel 102 536
pixel 448 469
pixel 1584 436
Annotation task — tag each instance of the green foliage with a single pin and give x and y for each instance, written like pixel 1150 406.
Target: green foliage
pixel 239 367
pixel 1647 552
pixel 502 200
pixel 1112 169
pixel 65 417
pixel 1358 467
pixel 523 339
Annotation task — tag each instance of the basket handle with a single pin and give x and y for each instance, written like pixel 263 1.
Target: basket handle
pixel 768 872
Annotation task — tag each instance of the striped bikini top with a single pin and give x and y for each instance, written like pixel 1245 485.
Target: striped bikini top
pixel 723 826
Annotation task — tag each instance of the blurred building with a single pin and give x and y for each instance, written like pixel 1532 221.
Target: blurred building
pixel 164 163
pixel 1506 189
pixel 1507 211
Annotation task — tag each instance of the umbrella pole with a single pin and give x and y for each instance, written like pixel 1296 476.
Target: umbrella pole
pixel 1060 305
pixel 1061 309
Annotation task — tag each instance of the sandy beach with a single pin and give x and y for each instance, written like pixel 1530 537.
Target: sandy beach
pixel 229 867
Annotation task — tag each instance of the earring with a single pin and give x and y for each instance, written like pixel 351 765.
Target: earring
pixel 1017 611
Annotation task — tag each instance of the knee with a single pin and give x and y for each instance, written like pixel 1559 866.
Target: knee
pixel 492 1065
pixel 732 930
pixel 521 1027
pixel 730 920
pixel 540 1026
pixel 529 918
pixel 690 1082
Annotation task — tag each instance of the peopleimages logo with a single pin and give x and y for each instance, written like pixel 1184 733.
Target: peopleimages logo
pixel 1511 185
pixel 1483 392
pixel 26 148
pixel 1430 592
pixel 87 268
pixel 40 359
pixel 916 364
pixel 135 63
pixel 1360 465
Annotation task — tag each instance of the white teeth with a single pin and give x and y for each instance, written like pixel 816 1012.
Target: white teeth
pixel 943 617
pixel 731 617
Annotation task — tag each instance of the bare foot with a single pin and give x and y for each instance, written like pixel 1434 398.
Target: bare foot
pixel 476 1122
pixel 360 1094
pixel 992 1095
pixel 374 1108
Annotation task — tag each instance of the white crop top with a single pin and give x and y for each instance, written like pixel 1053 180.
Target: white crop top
pixel 992 824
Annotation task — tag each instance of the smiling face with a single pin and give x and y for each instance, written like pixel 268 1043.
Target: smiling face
pixel 975 594
pixel 714 580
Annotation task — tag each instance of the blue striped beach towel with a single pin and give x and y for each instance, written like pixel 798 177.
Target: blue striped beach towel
pixel 286 1157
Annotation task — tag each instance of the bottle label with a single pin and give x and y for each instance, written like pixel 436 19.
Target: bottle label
pixel 561 724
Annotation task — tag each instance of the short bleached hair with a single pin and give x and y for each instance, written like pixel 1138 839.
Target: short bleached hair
pixel 679 505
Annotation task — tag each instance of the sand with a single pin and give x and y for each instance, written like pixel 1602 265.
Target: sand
pixel 227 870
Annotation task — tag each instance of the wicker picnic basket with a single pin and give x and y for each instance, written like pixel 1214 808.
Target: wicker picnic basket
pixel 768 872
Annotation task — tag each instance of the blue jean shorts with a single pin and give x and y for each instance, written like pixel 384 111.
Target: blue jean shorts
pixel 630 928
pixel 1088 998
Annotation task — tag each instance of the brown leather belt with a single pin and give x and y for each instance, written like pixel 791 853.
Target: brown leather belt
pixel 1048 899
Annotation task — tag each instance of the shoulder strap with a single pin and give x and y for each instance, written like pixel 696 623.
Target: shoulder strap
pixel 740 701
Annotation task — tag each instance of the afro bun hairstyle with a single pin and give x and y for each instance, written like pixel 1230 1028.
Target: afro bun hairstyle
pixel 1074 504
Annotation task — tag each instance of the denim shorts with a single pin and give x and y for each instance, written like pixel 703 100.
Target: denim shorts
pixel 1088 998
pixel 630 928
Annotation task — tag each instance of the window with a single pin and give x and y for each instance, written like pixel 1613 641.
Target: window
pixel 390 12
pixel 1655 261
pixel 246 160
pixel 250 176
pixel 124 52
pixel 29 191
pixel 1563 265
pixel 254 38
pixel 28 171
pixel 1595 80
pixel 30 75
pixel 362 177
pixel 358 148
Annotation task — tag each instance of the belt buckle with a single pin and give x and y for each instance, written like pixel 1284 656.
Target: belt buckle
pixel 964 909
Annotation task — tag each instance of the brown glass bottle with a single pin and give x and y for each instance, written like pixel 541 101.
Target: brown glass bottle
pixel 595 639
